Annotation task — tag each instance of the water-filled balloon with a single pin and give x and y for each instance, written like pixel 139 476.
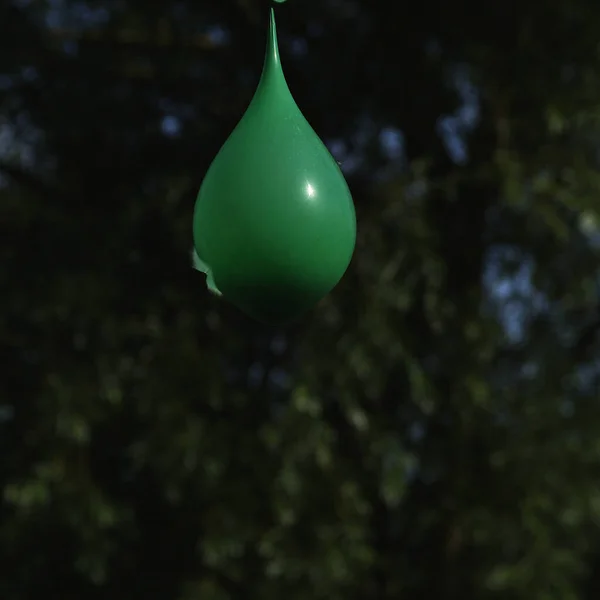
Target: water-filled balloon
pixel 274 224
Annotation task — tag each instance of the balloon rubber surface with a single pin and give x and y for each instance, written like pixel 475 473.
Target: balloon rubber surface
pixel 274 218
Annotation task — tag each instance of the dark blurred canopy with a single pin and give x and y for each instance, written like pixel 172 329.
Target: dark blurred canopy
pixel 430 430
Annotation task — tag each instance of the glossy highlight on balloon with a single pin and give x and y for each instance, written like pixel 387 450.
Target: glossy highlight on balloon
pixel 274 224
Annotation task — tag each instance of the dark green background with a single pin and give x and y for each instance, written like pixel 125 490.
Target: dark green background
pixel 430 430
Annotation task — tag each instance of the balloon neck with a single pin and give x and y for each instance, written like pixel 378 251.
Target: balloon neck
pixel 272 69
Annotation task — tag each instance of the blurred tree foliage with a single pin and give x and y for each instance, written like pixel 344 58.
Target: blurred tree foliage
pixel 431 430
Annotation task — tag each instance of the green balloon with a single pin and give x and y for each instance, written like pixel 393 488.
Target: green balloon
pixel 274 224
